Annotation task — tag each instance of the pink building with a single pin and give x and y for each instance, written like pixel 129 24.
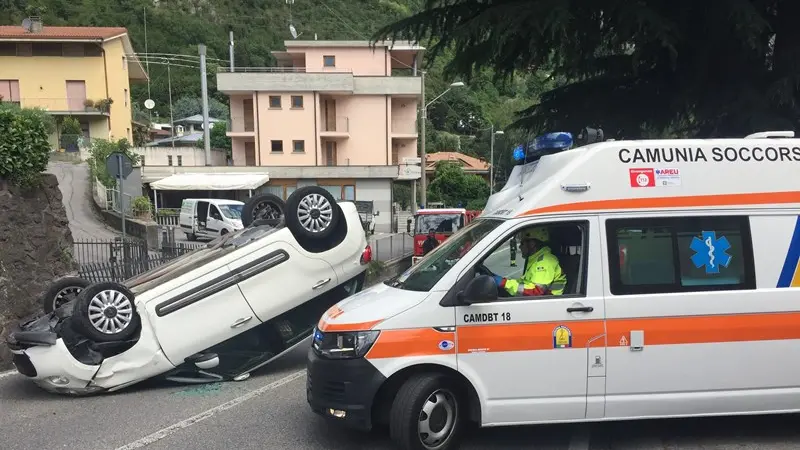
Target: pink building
pixel 338 114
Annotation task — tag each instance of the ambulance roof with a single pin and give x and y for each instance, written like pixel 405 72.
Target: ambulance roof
pixel 654 175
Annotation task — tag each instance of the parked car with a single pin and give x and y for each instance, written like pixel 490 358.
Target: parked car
pixel 214 314
pixel 210 217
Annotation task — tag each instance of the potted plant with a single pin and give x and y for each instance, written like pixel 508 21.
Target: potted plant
pixel 88 104
pixel 104 105
pixel 142 208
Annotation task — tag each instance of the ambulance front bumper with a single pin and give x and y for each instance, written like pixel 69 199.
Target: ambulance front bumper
pixel 342 390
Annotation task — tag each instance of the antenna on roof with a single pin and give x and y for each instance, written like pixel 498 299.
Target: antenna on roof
pixel 293 30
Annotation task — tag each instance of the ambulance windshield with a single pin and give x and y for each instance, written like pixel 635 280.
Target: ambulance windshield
pixel 426 273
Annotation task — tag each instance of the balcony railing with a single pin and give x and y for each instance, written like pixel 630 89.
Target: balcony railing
pixel 67 105
pixel 241 123
pixel 224 69
pixel 404 126
pixel 341 124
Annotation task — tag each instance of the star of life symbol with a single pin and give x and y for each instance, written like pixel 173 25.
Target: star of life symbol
pixel 710 252
pixel 622 341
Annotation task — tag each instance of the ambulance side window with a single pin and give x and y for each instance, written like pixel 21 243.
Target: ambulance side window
pixel 680 254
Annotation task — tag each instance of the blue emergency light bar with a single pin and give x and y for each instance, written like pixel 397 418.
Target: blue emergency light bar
pixel 543 145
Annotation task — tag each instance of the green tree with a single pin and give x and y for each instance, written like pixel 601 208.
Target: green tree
pixel 24 147
pixel 100 150
pixel 634 68
pixel 190 106
pixel 218 137
pixel 401 192
pixel 452 186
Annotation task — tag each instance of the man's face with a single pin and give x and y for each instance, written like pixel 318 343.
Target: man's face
pixel 528 247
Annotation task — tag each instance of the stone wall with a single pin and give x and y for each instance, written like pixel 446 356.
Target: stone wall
pixel 35 248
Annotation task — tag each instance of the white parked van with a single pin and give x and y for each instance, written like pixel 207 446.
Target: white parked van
pixel 681 299
pixel 210 217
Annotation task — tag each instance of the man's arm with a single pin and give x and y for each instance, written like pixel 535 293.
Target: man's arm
pixel 536 281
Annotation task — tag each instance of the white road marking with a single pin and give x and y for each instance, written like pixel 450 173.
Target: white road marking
pixel 174 428
pixel 580 438
pixel 7 374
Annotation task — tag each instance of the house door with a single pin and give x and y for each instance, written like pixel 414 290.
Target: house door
pixel 330 153
pixel 250 153
pixel 330 115
pixel 76 95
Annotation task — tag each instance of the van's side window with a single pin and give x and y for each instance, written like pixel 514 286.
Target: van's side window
pixel 680 254
pixel 564 240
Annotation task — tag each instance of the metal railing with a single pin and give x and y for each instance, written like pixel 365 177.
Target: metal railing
pixel 392 247
pixel 225 69
pixel 64 104
pixel 340 124
pixel 239 123
pixel 118 260
pixel 404 126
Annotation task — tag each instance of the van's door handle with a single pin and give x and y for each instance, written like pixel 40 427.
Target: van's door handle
pixel 580 309
pixel 241 322
pixel 321 283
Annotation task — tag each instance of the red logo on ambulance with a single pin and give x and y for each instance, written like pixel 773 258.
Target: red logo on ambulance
pixel 642 177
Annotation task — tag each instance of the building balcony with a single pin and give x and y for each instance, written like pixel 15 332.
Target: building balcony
pixel 245 80
pixel 404 128
pixel 241 125
pixel 67 106
pixel 154 173
pixel 338 127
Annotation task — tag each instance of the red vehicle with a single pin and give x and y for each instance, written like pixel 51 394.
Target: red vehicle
pixel 444 222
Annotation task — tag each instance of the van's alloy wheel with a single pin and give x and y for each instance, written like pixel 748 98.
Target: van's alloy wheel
pixel 437 418
pixel 315 213
pixel 110 311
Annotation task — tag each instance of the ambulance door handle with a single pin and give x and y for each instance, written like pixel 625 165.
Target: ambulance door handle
pixel 572 309
pixel 321 283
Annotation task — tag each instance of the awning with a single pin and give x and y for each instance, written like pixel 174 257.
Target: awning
pixel 211 182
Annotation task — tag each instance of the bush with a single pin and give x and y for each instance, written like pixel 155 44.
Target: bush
pixel 24 145
pixel 100 150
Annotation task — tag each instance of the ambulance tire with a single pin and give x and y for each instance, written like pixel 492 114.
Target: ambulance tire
pixel 407 414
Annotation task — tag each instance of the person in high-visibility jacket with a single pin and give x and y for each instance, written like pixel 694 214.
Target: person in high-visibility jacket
pixel 543 275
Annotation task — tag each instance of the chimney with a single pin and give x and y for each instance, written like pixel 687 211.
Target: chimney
pixel 34 24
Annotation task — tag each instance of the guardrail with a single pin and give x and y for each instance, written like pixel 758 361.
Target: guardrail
pixel 392 247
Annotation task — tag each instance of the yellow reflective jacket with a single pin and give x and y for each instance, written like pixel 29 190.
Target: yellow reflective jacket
pixel 543 276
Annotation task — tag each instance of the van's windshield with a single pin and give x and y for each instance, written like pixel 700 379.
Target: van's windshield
pixel 426 273
pixel 231 211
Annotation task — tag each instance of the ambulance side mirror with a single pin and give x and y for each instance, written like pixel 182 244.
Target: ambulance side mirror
pixel 481 289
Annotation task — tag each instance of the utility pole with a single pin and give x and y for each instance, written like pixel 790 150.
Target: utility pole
pixel 230 49
pixel 204 88
pixel 491 164
pixel 423 181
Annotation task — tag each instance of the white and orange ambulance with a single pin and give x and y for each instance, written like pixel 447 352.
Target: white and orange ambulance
pixel 682 299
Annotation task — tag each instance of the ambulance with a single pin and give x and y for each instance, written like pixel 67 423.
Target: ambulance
pixel 682 299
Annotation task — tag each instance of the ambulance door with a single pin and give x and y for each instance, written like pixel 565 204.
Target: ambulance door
pixel 538 358
pixel 687 333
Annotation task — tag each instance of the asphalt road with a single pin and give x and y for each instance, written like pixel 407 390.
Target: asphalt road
pixel 269 410
pixel 73 181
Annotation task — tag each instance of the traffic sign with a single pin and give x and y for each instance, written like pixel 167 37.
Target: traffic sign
pixel 119 164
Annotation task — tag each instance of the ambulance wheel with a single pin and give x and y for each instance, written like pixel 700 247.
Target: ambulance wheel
pixel 62 291
pixel 105 312
pixel 312 213
pixel 262 206
pixel 427 414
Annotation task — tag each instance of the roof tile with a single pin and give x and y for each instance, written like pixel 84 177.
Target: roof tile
pixel 66 33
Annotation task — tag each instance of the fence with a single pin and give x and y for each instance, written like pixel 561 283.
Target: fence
pixel 392 247
pixel 118 260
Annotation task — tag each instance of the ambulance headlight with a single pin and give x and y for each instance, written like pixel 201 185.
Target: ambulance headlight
pixel 344 345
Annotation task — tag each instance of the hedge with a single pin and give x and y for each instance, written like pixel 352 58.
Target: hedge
pixel 24 145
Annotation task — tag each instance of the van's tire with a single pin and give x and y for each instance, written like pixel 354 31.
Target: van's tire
pixel 62 291
pixel 446 417
pixel 262 206
pixel 312 213
pixel 106 312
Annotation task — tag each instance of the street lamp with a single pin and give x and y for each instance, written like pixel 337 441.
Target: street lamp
pixel 423 179
pixel 491 160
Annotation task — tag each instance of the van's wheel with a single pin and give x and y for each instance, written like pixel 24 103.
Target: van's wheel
pixel 62 291
pixel 312 213
pixel 427 414
pixel 105 312
pixel 262 206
